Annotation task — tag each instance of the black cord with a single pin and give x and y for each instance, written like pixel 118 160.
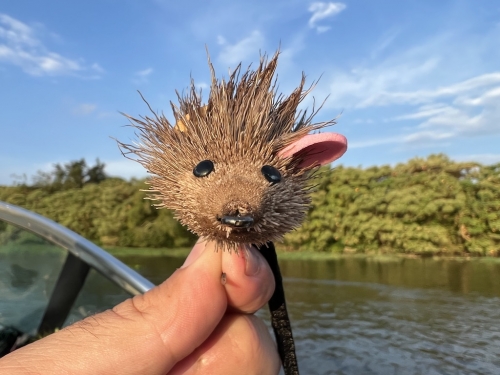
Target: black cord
pixel 279 314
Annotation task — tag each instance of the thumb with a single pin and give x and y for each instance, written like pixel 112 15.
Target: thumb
pixel 147 334
pixel 186 308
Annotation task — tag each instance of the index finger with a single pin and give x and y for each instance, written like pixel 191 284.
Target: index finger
pixel 248 279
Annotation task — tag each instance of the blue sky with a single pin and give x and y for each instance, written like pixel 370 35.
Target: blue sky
pixel 408 78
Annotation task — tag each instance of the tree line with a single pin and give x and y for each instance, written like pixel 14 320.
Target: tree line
pixel 425 206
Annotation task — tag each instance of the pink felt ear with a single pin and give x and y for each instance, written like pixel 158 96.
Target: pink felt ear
pixel 316 149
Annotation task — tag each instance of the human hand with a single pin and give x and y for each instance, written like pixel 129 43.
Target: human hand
pixel 190 324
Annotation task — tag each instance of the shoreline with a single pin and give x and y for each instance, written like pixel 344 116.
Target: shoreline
pixel 303 255
pixel 282 254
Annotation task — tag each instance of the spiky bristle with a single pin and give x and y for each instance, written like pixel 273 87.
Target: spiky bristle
pixel 242 127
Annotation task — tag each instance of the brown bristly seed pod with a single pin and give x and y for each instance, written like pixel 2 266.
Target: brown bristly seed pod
pixel 242 127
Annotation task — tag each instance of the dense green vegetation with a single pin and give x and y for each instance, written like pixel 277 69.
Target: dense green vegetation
pixel 431 205
pixel 425 206
pixel 72 175
pixel 107 211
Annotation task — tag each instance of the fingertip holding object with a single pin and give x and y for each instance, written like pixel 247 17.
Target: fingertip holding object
pixel 253 261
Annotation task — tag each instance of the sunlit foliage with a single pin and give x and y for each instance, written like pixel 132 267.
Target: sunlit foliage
pixel 424 206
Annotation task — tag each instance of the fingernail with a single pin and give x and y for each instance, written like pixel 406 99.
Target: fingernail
pixel 253 262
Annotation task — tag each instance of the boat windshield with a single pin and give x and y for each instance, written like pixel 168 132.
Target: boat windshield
pixel 51 277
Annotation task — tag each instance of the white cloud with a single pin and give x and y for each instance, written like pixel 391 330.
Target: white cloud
pixel 366 87
pixel 221 40
pixel 428 135
pixel 232 54
pixel 416 74
pixel 423 112
pixel 20 46
pixel 322 29
pixel 202 85
pixel 84 109
pixel 385 41
pixel 142 76
pixel 462 110
pixel 473 85
pixel 375 142
pixel 320 11
pixel 363 121
pixel 432 94
pixel 16 32
pixel 97 68
pixel 145 72
pixel 455 111
pixel 470 111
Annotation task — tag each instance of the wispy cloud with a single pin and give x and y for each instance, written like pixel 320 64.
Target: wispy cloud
pixel 232 54
pixel 370 86
pixel 202 85
pixel 385 41
pixel 142 76
pixel 321 11
pixel 416 74
pixel 474 85
pixel 467 109
pixel 84 109
pixel 435 93
pixel 375 142
pixel 423 112
pixel 20 46
pixel 464 110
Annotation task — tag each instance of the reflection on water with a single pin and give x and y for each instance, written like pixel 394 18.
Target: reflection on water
pixel 460 276
pixel 386 316
pixel 366 328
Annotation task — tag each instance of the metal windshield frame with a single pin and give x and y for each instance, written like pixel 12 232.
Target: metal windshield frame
pixel 78 246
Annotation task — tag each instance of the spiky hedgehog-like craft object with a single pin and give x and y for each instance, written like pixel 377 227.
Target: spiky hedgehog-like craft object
pixel 237 169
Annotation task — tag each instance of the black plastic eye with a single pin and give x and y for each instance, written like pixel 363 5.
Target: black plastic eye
pixel 271 174
pixel 204 168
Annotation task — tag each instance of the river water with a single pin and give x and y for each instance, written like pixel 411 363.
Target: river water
pixel 386 315
pixel 352 316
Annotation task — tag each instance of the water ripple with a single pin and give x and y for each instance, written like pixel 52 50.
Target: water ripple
pixel 366 328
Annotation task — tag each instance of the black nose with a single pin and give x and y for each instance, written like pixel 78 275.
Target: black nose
pixel 237 221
